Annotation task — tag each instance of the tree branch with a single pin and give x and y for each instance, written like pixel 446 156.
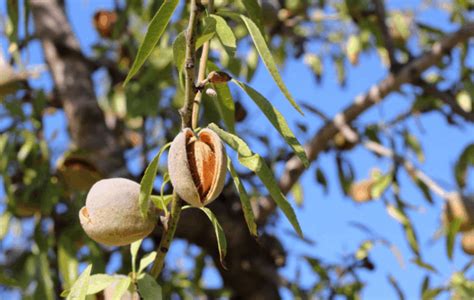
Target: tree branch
pixel 409 73
pixel 386 38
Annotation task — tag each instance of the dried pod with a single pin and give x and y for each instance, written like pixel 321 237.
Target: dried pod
pixel 104 22
pixel 77 172
pixel 460 207
pixel 197 166
pixel 361 191
pixel 467 242
pixel 112 216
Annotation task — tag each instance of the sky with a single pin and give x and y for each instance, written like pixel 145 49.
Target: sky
pixel 326 218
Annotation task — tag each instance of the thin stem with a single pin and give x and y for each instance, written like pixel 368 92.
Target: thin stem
pixel 190 89
pixel 171 220
pixel 167 237
pixel 202 72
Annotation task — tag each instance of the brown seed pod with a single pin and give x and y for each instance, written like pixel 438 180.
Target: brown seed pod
pixel 77 172
pixel 104 22
pixel 112 216
pixel 361 191
pixel 197 166
pixel 460 207
pixel 467 242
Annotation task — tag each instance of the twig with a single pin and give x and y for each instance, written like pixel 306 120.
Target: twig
pixel 449 100
pixel 171 221
pixel 409 73
pixel 167 236
pixel 411 169
pixel 190 91
pixel 202 72
pixel 386 38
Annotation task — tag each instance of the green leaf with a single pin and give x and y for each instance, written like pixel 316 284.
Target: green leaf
pixel 46 281
pixel 146 261
pixel 364 250
pixel 452 230
pixel 297 192
pixel 179 51
pixel 380 185
pixel 255 163
pixel 412 143
pixel 225 34
pixel 121 288
pixel 417 261
pixel 244 199
pixel 353 49
pixel 98 282
pixel 254 11
pixel 67 261
pixel 146 184
pixel 276 119
pixel 225 102
pixel 396 287
pixel 466 159
pixel 220 236
pixel 321 179
pixel 134 247
pixel 4 222
pixel 155 30
pixel 79 289
pixel 158 201
pixel 208 31
pixel 6 280
pixel 148 288
pixel 267 59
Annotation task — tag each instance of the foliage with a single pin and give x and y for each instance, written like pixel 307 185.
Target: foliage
pixel 142 50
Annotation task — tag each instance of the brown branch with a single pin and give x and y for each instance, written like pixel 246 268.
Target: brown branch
pixel 409 73
pixel 386 38
pixel 449 100
pixel 73 83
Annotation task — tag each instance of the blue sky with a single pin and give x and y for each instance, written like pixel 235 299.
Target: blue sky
pixel 325 218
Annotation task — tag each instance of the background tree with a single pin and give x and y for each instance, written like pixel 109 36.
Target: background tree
pixel 115 130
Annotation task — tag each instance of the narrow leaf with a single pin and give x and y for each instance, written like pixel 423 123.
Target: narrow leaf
pixel 79 289
pixel 146 261
pixel 158 201
pixel 254 11
pixel 267 59
pixel 155 30
pixel 121 287
pixel 466 159
pixel 98 282
pixel 380 185
pixel 220 236
pixel 208 31
pixel 255 163
pixel 134 247
pixel 148 288
pixel 225 34
pixel 452 230
pixel 244 199
pixel 276 119
pixel 67 261
pixel 146 185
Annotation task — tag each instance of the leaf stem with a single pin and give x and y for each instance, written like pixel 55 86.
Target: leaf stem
pixel 202 72
pixel 167 237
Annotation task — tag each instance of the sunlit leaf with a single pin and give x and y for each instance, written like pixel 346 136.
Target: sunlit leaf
pixel 208 31
pixel 46 280
pixel 364 250
pixel 149 288
pixel 134 247
pixel 220 236
pixel 121 287
pixel 276 119
pixel 413 144
pixel 255 163
pixel 297 192
pixel 267 59
pixel 158 201
pixel 99 282
pixel 380 185
pixel 4 224
pixel 146 261
pixel 452 229
pixel 244 199
pixel 155 30
pixel 225 34
pixel 79 289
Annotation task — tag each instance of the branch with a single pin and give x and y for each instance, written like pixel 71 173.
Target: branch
pixel 386 38
pixel 449 100
pixel 72 80
pixel 409 73
pixel 190 90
